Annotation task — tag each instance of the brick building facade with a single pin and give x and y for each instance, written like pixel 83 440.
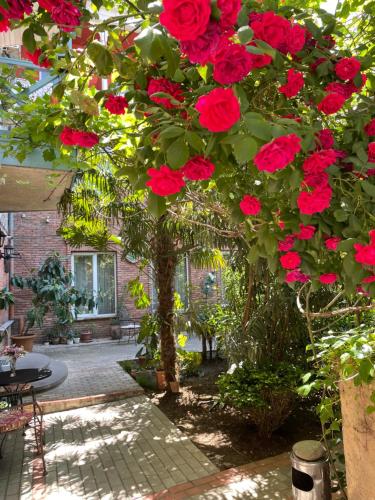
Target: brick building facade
pixel 35 237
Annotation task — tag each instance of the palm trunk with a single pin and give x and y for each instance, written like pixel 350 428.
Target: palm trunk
pixel 249 301
pixel 165 269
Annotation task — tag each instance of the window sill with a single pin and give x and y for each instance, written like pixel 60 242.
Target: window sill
pixel 87 317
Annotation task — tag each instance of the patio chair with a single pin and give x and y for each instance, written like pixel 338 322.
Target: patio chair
pixel 16 416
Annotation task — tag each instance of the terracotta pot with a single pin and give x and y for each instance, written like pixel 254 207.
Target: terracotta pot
pixel 161 380
pixel 175 387
pixel 142 361
pixel 86 337
pixel 26 341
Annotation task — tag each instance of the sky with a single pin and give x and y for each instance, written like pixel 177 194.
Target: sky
pixel 329 5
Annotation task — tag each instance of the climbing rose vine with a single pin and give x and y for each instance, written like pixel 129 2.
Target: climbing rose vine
pixel 256 106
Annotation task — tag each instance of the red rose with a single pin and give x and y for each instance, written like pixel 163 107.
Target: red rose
pixel 46 4
pixel 370 172
pixel 305 233
pixel 370 127
pixel 186 19
pixel 271 28
pixel 315 179
pixel 86 139
pixel 291 260
pixel 164 85
pixel 202 49
pixel 296 39
pixel 297 119
pixel 17 9
pixel 36 58
pixel 319 161
pixel 296 276
pixel 198 169
pixel 66 15
pixel 278 153
pixel 371 152
pixel 4 22
pixel 294 83
pixel 347 68
pixel 259 60
pixel 344 89
pixel 354 87
pixel 116 105
pixel 369 279
pixel 250 205
pixel 219 110
pixel 324 139
pixel 232 63
pixel 286 244
pixel 332 243
pixel 165 181
pixel 327 279
pixel 67 136
pixel 229 12
pixel 331 103
pixel 316 201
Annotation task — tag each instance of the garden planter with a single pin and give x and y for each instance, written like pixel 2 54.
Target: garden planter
pixel 70 342
pixel 55 341
pixel 142 361
pixel 116 333
pixel 86 337
pixel 359 439
pixel 27 341
pixel 174 387
pixel 161 380
pixel 76 340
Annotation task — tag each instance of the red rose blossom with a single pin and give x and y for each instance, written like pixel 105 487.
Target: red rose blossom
pixel 4 22
pixel 297 276
pixel 271 28
pixel 47 4
pixel 316 201
pixel 324 139
pixel 164 85
pixel 290 260
pixel 315 179
pixel 36 58
pixel 66 15
pixel 219 110
pixel 319 161
pixel 67 136
pixel 250 205
pixel 370 127
pixel 296 39
pixel 202 49
pixel 347 68
pixel 17 9
pixel 365 254
pixel 116 105
pixel 278 153
pixel 369 279
pixel 328 278
pixel 331 103
pixel 371 152
pixel 344 89
pixel 232 63
pixel 332 243
pixel 305 233
pixel 198 168
pixel 286 244
pixel 229 12
pixel 294 84
pixel 165 181
pixel 86 139
pixel 186 19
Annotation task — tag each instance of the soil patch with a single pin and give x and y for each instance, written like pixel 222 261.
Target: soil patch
pixel 223 434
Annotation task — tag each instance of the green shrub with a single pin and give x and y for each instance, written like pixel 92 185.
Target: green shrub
pixel 266 395
pixel 189 362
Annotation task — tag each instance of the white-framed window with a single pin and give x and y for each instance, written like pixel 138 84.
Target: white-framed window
pixel 95 273
pixel 181 284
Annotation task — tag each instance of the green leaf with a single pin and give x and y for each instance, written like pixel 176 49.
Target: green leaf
pixel 28 40
pixel 194 141
pixel 340 215
pixel 245 34
pixel 177 154
pixel 144 41
pixel 101 57
pixel 156 205
pixel 245 149
pixel 368 188
pixel 258 128
pixel 172 131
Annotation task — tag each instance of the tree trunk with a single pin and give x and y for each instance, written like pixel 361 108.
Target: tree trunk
pixel 249 301
pixel 165 270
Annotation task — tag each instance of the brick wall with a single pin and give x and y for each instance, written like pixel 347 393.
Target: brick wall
pixel 4 277
pixel 35 238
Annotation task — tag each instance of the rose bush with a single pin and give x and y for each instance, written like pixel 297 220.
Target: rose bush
pixel 251 106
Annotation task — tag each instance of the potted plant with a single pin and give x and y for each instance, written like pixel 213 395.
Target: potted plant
pixel 115 327
pixel 6 298
pixel 54 336
pixel 70 337
pixel 76 338
pixel 52 286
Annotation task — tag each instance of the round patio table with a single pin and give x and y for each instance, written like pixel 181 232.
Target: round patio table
pixel 23 377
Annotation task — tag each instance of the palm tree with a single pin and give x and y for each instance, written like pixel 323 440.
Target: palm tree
pixel 102 199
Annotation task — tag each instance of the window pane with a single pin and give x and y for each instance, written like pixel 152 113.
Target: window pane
pixel 83 276
pixel 181 282
pixel 106 284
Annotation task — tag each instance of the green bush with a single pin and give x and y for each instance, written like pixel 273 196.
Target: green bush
pixel 266 395
pixel 189 362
